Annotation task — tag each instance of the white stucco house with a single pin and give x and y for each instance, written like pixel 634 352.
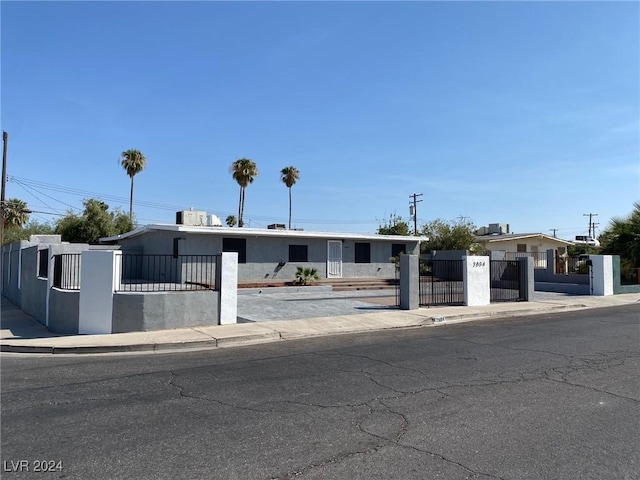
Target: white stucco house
pixel 274 254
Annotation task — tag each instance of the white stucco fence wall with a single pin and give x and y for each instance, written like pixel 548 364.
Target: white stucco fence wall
pixel 227 283
pixel 100 273
pixel 477 281
pixel 601 275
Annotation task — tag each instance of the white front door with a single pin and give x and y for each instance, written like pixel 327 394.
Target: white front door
pixel 334 259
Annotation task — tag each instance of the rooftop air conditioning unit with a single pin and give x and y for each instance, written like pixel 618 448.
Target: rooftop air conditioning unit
pixel 213 220
pixel 191 217
pixel 499 228
pixel 276 226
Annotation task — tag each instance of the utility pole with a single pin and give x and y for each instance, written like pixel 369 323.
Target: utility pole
pixel 554 230
pixel 5 141
pixel 591 224
pixel 413 211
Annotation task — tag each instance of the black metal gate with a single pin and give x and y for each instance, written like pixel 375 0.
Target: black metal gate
pixel 507 283
pixel 441 282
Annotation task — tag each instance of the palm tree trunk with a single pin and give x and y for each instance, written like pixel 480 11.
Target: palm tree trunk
pixel 241 220
pixel 240 208
pixel 131 201
pixel 289 208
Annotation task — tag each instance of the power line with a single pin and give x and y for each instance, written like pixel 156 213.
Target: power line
pixel 37 186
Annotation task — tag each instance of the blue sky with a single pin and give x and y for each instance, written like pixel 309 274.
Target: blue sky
pixel 525 113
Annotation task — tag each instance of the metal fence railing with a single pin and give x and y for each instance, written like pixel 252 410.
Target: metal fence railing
pixel 507 281
pixel 539 258
pixel 66 271
pixel 572 265
pixel 441 282
pixel 164 273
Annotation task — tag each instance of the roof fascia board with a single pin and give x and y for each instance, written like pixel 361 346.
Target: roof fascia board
pixel 254 232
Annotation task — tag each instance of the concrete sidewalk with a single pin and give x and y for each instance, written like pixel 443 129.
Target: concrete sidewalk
pixel 21 333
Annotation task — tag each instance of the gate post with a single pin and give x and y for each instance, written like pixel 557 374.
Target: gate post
pixel 527 276
pixel 409 282
pixel 601 274
pixel 477 281
pixel 227 286
pixel 100 273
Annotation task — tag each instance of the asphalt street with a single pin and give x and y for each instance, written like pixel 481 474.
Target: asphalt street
pixel 552 396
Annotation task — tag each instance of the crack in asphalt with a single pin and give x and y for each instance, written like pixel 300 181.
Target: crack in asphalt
pixel 182 394
pixel 507 347
pixel 599 390
pixel 574 365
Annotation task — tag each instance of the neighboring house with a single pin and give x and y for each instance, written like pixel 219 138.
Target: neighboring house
pixel 268 254
pixel 522 244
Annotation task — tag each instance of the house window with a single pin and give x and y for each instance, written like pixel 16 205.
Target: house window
pixel 176 246
pixel 43 263
pixel 363 253
pixel 522 247
pixel 397 249
pixel 298 253
pixel 236 245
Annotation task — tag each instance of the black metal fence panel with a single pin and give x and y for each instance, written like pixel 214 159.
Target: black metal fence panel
pixel 66 271
pixel 163 273
pixel 507 282
pixel 441 282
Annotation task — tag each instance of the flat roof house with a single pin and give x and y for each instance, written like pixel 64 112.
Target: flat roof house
pixel 269 254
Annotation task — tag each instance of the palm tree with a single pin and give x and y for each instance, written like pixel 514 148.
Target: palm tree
pixel 231 221
pixel 289 176
pixel 16 213
pixel 243 171
pixel 133 161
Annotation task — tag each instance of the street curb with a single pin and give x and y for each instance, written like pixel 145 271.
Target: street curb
pixel 275 335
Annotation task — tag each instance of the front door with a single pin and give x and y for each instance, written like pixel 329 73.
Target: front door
pixel 334 259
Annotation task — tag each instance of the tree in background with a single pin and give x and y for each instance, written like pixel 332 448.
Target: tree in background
pixel 14 233
pixel 289 176
pixel 244 172
pixel 622 237
pixel 95 222
pixel 231 221
pixel 16 213
pixel 395 225
pixel 133 161
pixel 453 235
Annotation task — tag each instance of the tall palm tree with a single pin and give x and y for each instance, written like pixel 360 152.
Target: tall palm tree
pixel 244 172
pixel 16 213
pixel 133 161
pixel 289 176
pixel 231 221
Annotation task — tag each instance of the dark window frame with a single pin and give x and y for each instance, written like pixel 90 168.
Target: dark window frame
pixel 233 244
pixel 43 263
pixel 298 253
pixel 362 252
pixel 398 248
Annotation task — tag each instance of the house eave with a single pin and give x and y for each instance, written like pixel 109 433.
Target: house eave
pixel 259 232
